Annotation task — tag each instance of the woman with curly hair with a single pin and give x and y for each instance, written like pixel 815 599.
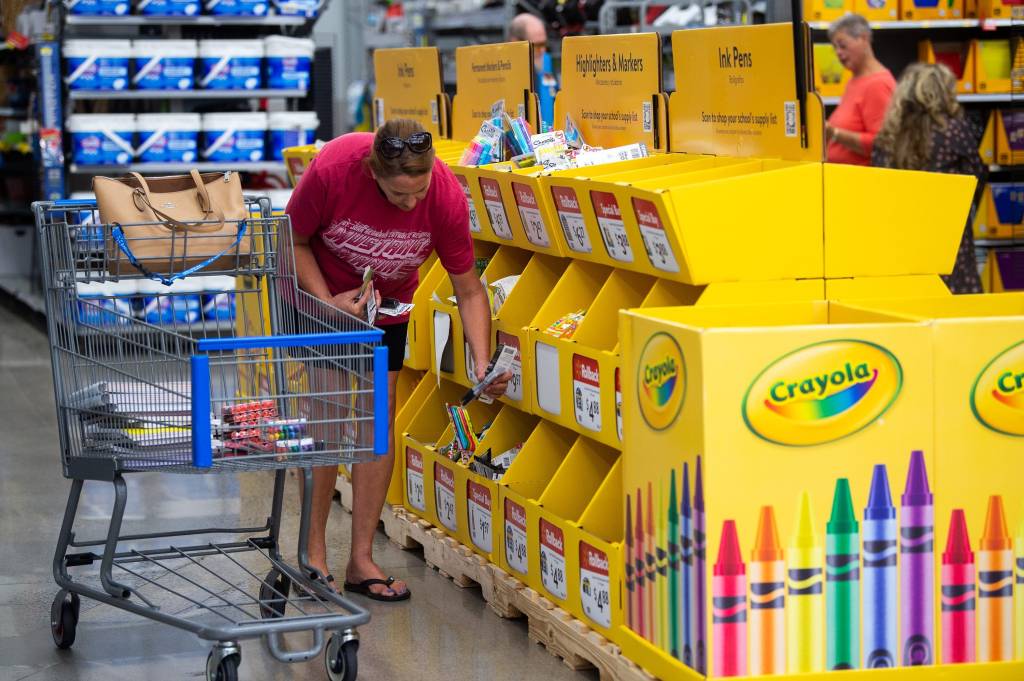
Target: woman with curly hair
pixel 925 129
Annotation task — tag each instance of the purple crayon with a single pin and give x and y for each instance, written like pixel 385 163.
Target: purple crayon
pixel 917 566
pixel 700 585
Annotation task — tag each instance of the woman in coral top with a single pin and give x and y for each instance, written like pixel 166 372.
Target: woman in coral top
pixel 851 129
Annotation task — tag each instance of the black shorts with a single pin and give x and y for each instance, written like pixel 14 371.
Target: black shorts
pixel 394 340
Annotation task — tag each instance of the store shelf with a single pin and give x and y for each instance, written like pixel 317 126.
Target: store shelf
pixel 965 99
pixel 9 112
pixel 272 20
pixel 83 95
pixel 925 25
pixel 237 166
pixel 994 168
pixel 999 243
pixel 480 20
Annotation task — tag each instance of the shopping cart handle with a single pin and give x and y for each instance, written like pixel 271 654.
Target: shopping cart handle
pixel 77 203
pixel 292 341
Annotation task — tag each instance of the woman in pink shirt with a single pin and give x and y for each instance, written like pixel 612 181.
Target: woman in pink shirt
pixel 851 129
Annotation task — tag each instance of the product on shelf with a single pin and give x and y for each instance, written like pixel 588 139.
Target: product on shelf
pixel 97 64
pixel 164 64
pixel 102 139
pixel 105 303
pixel 302 8
pixel 168 138
pixel 168 8
pixel 501 290
pixel 231 64
pixel 178 303
pixel 290 129
pixel 288 62
pixel 218 298
pixel 237 7
pixel 566 325
pixel 234 136
pixel 98 7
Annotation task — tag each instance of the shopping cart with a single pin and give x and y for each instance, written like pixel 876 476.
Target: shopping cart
pixel 170 379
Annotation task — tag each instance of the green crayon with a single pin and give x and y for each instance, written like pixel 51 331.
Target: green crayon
pixel 842 583
pixel 673 569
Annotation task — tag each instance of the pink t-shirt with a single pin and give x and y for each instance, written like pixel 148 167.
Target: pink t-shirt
pixel 351 224
pixel 861 110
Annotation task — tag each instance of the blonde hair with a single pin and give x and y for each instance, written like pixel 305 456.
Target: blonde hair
pixel 924 101
pixel 408 162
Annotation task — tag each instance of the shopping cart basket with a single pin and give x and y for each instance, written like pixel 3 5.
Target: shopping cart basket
pixel 178 379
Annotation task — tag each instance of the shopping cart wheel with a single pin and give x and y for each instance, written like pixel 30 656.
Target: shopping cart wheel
pixel 222 668
pixel 274 594
pixel 341 658
pixel 64 618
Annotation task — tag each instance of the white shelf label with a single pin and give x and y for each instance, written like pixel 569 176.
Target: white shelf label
pixel 618 406
pixel 595 589
pixel 552 560
pixel 515 386
pixel 548 378
pixel 444 496
pixel 414 479
pixel 613 229
pixel 515 537
pixel 586 391
pixel 529 211
pixel 652 231
pixel 571 218
pixel 478 502
pixel 470 363
pixel 495 208
pixel 474 219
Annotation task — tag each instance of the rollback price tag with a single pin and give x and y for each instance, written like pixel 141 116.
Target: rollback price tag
pixel 529 212
pixel 474 219
pixel 444 496
pixel 515 537
pixel 586 390
pixel 414 479
pixel 552 559
pixel 613 229
pixel 515 386
pixel 495 208
pixel 595 589
pixel 571 218
pixel 652 231
pixel 618 405
pixel 478 502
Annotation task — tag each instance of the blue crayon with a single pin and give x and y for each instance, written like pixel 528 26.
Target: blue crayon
pixel 700 588
pixel 881 575
pixel 685 606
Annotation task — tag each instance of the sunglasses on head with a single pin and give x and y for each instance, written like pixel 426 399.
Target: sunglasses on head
pixel 418 143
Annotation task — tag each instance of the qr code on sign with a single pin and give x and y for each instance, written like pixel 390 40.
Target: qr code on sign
pixel 433 111
pixel 648 117
pixel 379 106
pixel 789 118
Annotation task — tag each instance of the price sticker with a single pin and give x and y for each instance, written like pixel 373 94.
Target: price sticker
pixel 613 229
pixel 652 231
pixel 595 589
pixel 444 496
pixel 479 506
pixel 618 405
pixel 552 560
pixel 529 211
pixel 515 537
pixel 571 218
pixel 515 386
pixel 474 219
pixel 495 208
pixel 586 389
pixel 414 480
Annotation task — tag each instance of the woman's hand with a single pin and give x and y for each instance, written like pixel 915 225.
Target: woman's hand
pixel 353 303
pixel 498 387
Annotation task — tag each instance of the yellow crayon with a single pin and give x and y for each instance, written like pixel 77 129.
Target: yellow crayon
pixel 1019 593
pixel 805 602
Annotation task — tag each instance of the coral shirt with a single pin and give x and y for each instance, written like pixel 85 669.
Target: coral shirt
pixel 351 224
pixel 862 110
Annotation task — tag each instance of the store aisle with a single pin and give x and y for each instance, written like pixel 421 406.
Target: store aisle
pixel 443 632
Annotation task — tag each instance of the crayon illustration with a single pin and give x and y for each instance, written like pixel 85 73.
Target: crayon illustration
pixel 842 582
pixel 995 587
pixel 917 566
pixel 651 606
pixel 661 568
pixel 805 609
pixel 630 586
pixel 958 601
pixel 640 571
pixel 686 602
pixel 767 616
pixel 1019 597
pixel 675 639
pixel 700 584
pixel 880 574
pixel 729 606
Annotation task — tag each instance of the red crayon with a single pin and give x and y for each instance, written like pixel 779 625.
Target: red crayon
pixel 729 606
pixel 958 598
pixel 652 570
pixel 640 569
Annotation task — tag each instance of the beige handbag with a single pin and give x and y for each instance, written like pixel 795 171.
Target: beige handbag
pixel 170 227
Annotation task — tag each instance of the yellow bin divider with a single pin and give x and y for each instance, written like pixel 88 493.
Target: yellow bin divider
pixel 417 341
pixel 599 536
pixel 422 433
pixel 413 387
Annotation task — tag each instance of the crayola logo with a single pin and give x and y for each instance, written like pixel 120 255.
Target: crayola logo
pixel 822 392
pixel 661 381
pixel 997 398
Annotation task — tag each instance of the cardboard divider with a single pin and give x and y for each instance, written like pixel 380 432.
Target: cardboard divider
pixel 418 350
pixel 1009 150
pixel 412 387
pixel 987 146
pixel 599 537
pixel 520 491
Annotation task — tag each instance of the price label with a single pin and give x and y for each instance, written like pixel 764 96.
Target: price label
pixel 571 218
pixel 652 231
pixel 515 386
pixel 552 560
pixel 618 406
pixel 479 506
pixel 414 480
pixel 444 496
pixel 595 589
pixel 515 537
pixel 495 208
pixel 613 229
pixel 529 211
pixel 586 389
pixel 474 219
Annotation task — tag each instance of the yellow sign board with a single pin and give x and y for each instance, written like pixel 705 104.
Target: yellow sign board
pixel 485 74
pixel 736 95
pixel 611 87
pixel 409 86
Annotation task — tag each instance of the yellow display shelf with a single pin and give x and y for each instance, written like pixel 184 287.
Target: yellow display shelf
pixel 417 349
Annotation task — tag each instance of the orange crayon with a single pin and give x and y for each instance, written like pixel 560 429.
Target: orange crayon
pixel 767 616
pixel 995 587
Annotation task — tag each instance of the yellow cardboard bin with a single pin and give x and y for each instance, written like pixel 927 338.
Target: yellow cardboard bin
pixel 598 538
pixel 877 10
pixel 925 10
pixel 992 66
pixel 1000 9
pixel 826 10
pixel 987 147
pixel 830 78
pixel 426 428
pixel 960 57
pixel 417 340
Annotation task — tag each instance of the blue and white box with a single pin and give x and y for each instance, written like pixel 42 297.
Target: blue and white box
pixel 231 64
pixel 237 7
pixel 234 136
pixel 97 64
pixel 168 138
pixel 102 139
pixel 288 62
pixel 98 8
pixel 291 129
pixel 164 64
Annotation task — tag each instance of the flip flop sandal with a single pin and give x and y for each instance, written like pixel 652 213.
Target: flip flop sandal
pixel 363 588
pixel 325 581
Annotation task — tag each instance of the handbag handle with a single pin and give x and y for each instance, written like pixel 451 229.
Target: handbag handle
pixel 117 233
pixel 141 193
